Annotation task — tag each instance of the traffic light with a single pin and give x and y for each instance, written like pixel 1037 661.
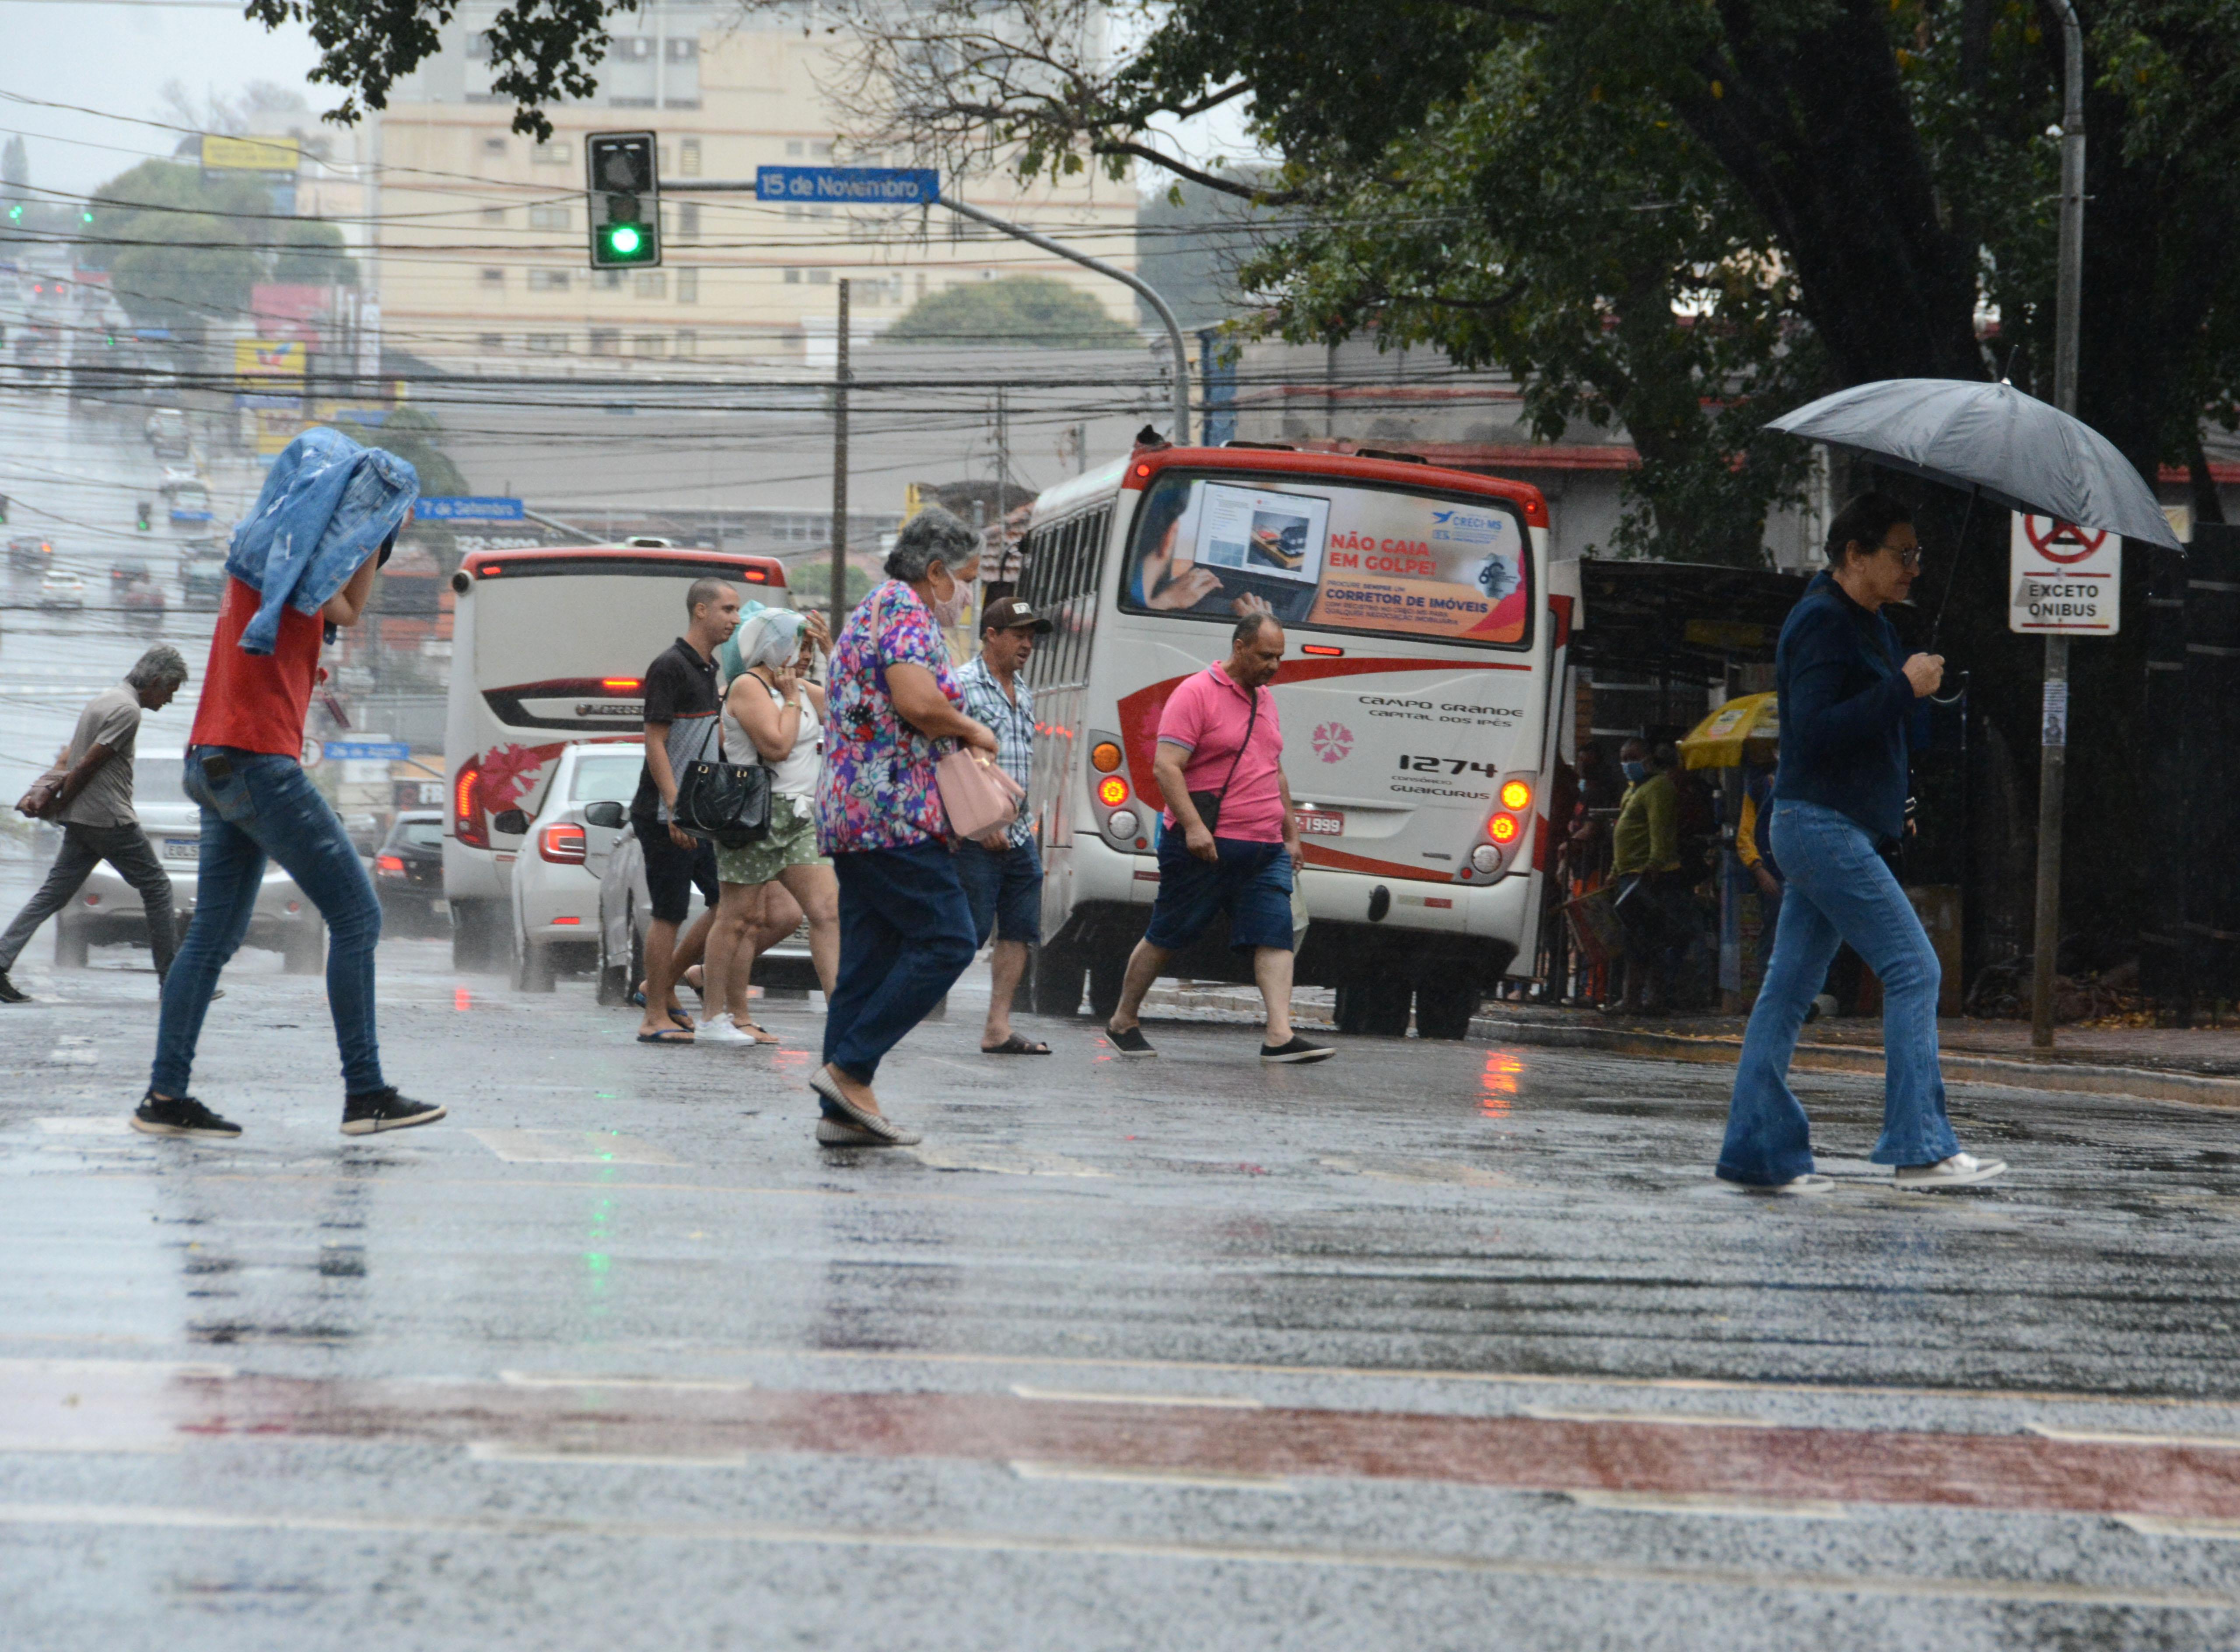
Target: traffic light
pixel 146 510
pixel 625 200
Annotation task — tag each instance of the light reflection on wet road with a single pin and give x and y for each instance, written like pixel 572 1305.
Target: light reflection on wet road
pixel 1435 1345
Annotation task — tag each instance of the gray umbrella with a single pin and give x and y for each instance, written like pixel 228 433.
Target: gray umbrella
pixel 2012 449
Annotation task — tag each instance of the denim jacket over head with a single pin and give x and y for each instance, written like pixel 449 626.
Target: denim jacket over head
pixel 1845 707
pixel 327 506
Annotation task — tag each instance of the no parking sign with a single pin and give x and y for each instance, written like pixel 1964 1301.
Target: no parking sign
pixel 2063 578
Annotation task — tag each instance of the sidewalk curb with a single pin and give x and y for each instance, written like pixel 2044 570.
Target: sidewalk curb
pixel 2069 1077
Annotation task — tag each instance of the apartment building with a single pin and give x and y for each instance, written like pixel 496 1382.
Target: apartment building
pixel 482 232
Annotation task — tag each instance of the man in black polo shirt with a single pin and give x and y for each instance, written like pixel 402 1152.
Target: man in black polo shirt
pixel 681 706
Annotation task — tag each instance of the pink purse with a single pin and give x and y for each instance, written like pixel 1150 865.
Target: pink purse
pixel 978 797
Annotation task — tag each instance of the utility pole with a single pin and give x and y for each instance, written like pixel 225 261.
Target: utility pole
pixel 840 468
pixel 2053 736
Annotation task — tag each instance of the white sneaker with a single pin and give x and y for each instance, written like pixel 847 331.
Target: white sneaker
pixel 722 1030
pixel 1961 1171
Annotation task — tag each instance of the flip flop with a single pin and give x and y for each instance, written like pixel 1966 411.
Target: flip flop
pixel 666 1036
pixel 1016 1045
pixel 681 1019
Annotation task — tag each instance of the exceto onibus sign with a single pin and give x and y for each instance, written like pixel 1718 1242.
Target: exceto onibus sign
pixel 849 185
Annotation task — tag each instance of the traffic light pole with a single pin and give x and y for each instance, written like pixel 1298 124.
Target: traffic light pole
pixel 1181 407
pixel 1126 278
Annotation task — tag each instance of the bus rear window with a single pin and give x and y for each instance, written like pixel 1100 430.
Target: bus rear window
pixel 1332 557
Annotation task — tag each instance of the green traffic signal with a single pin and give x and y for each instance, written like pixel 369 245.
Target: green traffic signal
pixel 621 243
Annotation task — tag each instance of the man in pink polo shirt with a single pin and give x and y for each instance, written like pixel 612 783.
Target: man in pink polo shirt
pixel 1229 840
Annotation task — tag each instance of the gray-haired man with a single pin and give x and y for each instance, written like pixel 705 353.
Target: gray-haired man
pixel 89 795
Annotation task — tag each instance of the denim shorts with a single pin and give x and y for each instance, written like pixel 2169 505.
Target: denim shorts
pixel 1005 891
pixel 1251 882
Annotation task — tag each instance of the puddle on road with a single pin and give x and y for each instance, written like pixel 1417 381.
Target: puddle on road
pixel 571 1147
pixel 1422 1172
pixel 997 1160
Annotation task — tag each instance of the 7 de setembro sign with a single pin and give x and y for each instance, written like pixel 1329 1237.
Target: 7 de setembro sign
pixel 2062 578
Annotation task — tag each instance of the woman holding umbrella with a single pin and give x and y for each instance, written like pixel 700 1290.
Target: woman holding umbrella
pixel 1846 701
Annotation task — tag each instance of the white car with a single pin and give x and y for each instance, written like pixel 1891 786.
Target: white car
pixel 60 590
pixel 555 886
pixel 108 910
pixel 625 911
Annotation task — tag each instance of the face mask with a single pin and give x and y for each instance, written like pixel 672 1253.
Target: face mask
pixel 1637 771
pixel 948 610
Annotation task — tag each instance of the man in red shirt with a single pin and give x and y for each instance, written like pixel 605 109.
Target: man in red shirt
pixel 244 767
pixel 1229 840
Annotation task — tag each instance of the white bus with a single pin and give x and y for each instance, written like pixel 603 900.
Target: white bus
pixel 549 649
pixel 1420 693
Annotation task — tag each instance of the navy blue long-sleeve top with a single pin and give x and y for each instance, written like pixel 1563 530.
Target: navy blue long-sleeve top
pixel 1845 704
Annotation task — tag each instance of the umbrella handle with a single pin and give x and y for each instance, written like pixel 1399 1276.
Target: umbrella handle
pixel 1966 517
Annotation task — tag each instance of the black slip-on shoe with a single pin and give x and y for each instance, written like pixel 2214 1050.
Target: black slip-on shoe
pixel 1130 1042
pixel 10 993
pixel 384 1109
pixel 1297 1051
pixel 181 1115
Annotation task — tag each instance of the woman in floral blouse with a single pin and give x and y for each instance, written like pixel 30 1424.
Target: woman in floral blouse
pixel 905 927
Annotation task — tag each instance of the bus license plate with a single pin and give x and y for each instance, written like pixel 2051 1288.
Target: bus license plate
pixel 1320 822
pixel 183 849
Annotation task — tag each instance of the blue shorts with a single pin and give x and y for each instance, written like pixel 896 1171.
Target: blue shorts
pixel 1251 883
pixel 1005 891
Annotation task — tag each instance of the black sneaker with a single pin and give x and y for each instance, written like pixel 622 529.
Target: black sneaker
pixel 1130 1043
pixel 181 1115
pixel 1297 1051
pixel 10 993
pixel 384 1109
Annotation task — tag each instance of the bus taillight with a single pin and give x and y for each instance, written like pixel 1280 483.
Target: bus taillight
pixel 1104 758
pixel 1503 828
pixel 467 807
pixel 621 684
pixel 1112 791
pixel 1516 796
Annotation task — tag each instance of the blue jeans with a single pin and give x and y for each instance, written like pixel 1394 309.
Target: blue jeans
pixel 905 936
pixel 1838 889
pixel 269 807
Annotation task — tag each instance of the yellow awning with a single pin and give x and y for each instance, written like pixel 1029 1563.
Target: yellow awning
pixel 1747 727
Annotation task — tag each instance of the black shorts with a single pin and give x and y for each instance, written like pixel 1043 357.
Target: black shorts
pixel 671 872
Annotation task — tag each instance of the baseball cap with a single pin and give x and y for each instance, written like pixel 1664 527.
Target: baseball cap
pixel 1009 614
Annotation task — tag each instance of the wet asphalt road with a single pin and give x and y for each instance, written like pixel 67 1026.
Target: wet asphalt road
pixel 1431 1346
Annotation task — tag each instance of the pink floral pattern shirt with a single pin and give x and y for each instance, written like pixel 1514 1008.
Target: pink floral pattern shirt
pixel 877 790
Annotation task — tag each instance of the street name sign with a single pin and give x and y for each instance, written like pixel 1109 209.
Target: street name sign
pixel 461 507
pixel 2062 579
pixel 850 185
pixel 366 751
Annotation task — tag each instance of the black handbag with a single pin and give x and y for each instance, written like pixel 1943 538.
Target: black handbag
pixel 728 804
pixel 1208 804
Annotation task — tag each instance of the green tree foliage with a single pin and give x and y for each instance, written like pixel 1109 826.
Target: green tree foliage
pixel 1018 309
pixel 416 436
pixel 184 250
pixel 810 581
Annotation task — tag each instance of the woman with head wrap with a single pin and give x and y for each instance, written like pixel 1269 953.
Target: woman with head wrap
pixel 773 711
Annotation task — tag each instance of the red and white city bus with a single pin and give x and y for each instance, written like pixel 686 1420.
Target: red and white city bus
pixel 1420 695
pixel 549 649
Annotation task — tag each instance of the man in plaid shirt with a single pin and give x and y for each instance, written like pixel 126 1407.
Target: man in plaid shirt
pixel 1003 872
